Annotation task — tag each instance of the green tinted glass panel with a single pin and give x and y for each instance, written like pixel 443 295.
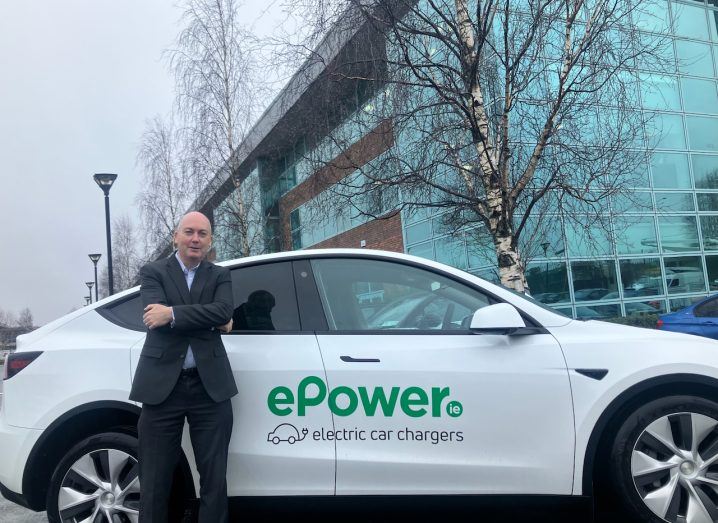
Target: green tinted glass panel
pixel 681 303
pixel 418 232
pixel 712 268
pixel 593 280
pixel 705 170
pixel 641 277
pixel 684 274
pixel 689 21
pixel 670 171
pixel 700 96
pixel 413 215
pixel 709 232
pixel 702 132
pixel 645 308
pixel 597 312
pixel 660 92
pixel 678 233
pixel 480 247
pixel 707 201
pixel 674 202
pixel 548 282
pixel 632 202
pixel 636 235
pixel 451 251
pixel 652 15
pixel 667 131
pixel 694 58
pixel 425 250
pixel 587 239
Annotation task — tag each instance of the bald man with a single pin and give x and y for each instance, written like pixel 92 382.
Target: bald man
pixel 184 373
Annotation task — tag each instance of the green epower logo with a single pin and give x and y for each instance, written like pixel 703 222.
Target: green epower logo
pixel 344 401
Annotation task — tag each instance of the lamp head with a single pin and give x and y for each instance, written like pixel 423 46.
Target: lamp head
pixel 105 181
pixel 95 257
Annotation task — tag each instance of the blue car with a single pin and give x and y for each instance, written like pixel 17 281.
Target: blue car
pixel 700 319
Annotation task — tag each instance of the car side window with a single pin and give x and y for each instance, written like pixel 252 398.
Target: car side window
pixel 125 312
pixel 264 298
pixel 708 309
pixel 379 295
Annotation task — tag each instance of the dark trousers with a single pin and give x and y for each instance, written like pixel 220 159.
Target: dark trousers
pixel 160 434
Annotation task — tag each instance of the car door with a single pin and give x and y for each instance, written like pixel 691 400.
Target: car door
pixel 706 316
pixel 271 454
pixel 421 404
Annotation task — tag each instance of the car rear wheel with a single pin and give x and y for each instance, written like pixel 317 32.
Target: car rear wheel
pixel 97 481
pixel 664 461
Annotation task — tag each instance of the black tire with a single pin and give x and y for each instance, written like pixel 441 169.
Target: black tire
pixel 673 416
pixel 93 447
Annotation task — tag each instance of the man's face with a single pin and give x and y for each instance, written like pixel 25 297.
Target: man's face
pixel 193 238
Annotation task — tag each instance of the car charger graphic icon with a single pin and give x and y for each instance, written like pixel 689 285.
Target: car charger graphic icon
pixel 286 432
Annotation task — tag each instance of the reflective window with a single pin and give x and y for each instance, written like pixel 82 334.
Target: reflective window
pixel 678 233
pixel 681 303
pixel 709 231
pixel 425 250
pixel 543 240
pixel 587 239
pixel 548 282
pixel 652 15
pixel 702 132
pixel 707 309
pixel 632 202
pixel 592 280
pixel 660 92
pixel 416 214
pixel 598 312
pixel 705 170
pixel 674 202
pixel 480 247
pixel 418 232
pixel 670 171
pixel 635 235
pixel 712 269
pixel 707 201
pixel 644 308
pixel 126 312
pixel 700 96
pixel 378 295
pixel 667 130
pixel 451 250
pixel 641 277
pixel 694 58
pixel 264 298
pixel 684 274
pixel 689 21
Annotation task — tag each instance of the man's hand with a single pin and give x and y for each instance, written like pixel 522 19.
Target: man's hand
pixel 157 315
pixel 226 327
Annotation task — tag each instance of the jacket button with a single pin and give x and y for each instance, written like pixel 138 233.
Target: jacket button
pixel 181 356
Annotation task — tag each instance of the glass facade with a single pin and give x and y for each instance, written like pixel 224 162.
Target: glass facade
pixel 659 250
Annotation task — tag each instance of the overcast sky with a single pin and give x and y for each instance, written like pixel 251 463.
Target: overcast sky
pixel 78 80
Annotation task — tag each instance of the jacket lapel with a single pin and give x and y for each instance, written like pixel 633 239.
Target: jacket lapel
pixel 177 277
pixel 200 278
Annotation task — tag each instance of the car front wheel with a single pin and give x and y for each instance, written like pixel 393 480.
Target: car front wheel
pixel 96 481
pixel 664 461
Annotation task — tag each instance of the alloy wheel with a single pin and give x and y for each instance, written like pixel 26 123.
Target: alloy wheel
pixel 674 465
pixel 102 486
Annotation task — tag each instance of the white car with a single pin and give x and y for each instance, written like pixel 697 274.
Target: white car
pixel 475 390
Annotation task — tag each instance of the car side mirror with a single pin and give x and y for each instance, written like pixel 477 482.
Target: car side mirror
pixel 500 318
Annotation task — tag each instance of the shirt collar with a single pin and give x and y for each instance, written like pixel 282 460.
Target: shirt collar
pixel 182 265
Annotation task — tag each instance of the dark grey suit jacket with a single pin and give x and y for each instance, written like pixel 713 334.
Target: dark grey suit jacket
pixel 197 313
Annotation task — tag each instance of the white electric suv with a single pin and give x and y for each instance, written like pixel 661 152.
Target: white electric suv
pixel 366 373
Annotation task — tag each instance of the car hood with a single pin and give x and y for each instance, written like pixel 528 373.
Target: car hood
pixel 599 344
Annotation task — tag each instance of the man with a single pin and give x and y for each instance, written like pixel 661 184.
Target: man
pixel 184 372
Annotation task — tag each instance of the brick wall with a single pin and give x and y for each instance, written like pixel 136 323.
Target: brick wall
pixel 384 233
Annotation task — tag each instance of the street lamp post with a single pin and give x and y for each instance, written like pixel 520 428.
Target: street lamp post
pixel 95 258
pixel 89 289
pixel 105 181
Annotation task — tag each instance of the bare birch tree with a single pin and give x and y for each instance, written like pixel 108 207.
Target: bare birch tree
pixel 218 99
pixel 506 115
pixel 25 319
pixel 168 187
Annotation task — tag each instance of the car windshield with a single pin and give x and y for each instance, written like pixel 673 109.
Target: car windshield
pixel 535 302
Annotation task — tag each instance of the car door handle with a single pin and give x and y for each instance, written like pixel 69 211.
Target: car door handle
pixel 349 359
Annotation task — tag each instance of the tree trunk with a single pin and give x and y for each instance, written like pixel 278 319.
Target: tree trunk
pixel 511 269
